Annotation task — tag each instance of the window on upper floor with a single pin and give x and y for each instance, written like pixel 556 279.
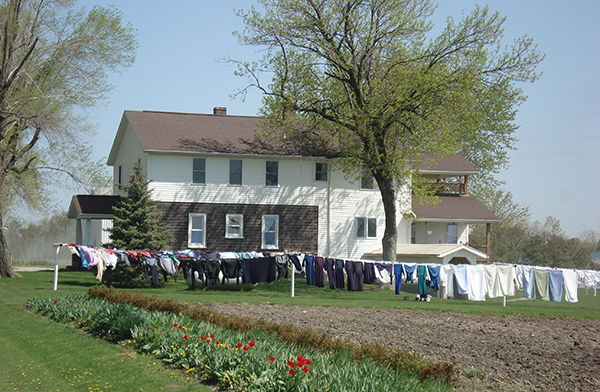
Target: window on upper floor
pixel 366 227
pixel 235 172
pixel 272 173
pixel 452 234
pixel 321 171
pixel 199 171
pixel 270 232
pixel 120 175
pixel 197 231
pixel 366 179
pixel 234 226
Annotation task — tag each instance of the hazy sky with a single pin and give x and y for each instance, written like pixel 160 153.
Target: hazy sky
pixel 555 169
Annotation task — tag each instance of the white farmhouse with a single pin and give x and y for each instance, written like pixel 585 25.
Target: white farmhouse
pixel 221 188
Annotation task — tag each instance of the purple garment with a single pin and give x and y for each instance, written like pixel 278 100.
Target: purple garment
pixel 358 274
pixel 90 255
pixel 369 272
pixel 351 277
pixel 339 273
pixel 319 271
pixel 259 270
pixel 330 272
pixel 387 267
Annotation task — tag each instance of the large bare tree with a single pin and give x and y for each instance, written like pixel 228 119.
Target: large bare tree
pixel 54 63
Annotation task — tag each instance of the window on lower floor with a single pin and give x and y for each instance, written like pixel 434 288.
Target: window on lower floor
pixel 366 227
pixel 452 234
pixel 197 231
pixel 413 233
pixel 234 226
pixel 270 231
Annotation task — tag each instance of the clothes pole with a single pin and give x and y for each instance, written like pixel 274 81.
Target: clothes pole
pixel 293 279
pixel 56 265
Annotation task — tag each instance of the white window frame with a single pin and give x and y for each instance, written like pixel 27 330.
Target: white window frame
pixel 326 172
pixel 455 238
pixel 366 176
pixel 191 230
pixel 276 173
pixel 264 245
pixel 193 171
pixel 365 221
pixel 241 172
pixel 228 226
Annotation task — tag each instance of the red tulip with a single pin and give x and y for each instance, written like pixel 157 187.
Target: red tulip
pixel 239 345
pixel 305 369
pixel 185 337
pixel 271 359
pixel 292 371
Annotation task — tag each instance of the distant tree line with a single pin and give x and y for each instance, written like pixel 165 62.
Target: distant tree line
pixel 518 240
pixel 31 241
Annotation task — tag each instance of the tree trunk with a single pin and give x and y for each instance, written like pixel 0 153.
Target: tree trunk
pixel 387 187
pixel 5 267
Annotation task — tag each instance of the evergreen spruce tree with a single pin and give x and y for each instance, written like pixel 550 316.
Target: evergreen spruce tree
pixel 137 226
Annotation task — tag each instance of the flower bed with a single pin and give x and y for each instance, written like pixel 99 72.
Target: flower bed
pixel 244 361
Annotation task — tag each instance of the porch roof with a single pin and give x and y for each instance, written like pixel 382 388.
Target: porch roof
pixel 455 208
pixel 429 250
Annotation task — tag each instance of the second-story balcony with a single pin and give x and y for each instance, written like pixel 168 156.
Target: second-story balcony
pixel 447 188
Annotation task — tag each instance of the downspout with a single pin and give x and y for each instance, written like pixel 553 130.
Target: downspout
pixel 328 214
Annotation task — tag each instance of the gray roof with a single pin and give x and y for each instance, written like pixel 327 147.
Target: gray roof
pixel 455 208
pixel 210 133
pixel 92 206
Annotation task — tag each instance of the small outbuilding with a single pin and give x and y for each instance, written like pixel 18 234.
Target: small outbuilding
pixel 93 215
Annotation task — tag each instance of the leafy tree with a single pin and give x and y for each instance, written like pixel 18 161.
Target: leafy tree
pixel 53 63
pixel 137 224
pixel 363 76
pixel 510 234
pixel 548 245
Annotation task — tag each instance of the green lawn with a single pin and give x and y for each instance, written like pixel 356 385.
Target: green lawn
pixel 38 354
pixel 17 291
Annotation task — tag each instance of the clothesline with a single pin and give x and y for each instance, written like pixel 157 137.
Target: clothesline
pixel 475 281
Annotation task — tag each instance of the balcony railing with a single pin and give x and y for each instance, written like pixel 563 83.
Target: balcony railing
pixel 446 188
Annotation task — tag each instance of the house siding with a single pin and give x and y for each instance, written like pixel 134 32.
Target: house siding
pixel 298 225
pixel 130 150
pixel 339 201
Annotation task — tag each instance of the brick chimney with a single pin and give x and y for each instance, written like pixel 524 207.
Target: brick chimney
pixel 221 111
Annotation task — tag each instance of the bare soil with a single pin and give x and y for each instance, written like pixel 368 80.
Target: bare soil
pixel 503 353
